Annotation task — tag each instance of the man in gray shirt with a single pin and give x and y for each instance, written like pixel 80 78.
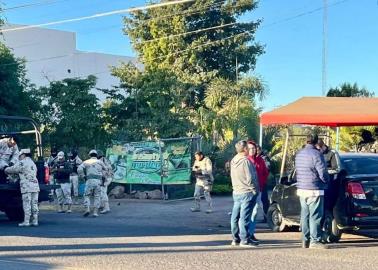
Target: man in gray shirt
pixel 245 190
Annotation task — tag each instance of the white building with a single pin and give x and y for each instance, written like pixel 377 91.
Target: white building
pixel 51 55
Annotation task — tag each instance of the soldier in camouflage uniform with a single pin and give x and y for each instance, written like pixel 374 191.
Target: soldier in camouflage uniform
pixel 8 152
pixel 27 171
pixel 92 171
pixel 75 162
pixel 203 170
pixel 105 183
pixel 62 170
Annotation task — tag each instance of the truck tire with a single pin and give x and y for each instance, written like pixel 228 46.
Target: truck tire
pixel 275 219
pixel 14 213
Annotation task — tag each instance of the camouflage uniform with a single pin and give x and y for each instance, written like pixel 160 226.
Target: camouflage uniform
pixel 62 170
pixel 204 182
pixel 104 187
pixel 7 154
pixel 27 171
pixel 93 171
pixel 74 178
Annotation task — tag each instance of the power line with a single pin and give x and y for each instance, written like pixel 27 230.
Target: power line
pixel 32 4
pixel 99 15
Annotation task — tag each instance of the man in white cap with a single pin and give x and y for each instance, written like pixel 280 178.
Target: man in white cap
pixel 62 170
pixel 27 171
pixel 105 182
pixel 92 171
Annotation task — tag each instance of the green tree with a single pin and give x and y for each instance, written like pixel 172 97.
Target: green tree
pixel 146 105
pixel 349 90
pixel 172 38
pixel 14 86
pixel 71 114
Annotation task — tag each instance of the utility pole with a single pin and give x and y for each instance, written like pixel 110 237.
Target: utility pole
pixel 325 47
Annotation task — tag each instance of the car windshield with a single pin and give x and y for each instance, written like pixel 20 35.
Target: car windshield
pixel 360 164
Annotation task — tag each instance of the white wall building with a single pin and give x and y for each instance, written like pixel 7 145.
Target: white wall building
pixel 51 55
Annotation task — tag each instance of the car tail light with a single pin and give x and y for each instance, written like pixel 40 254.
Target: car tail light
pixel 361 215
pixel 47 175
pixel 356 190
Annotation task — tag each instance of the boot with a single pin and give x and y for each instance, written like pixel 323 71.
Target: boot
pixel 35 221
pixel 61 210
pixel 87 212
pixel 106 208
pixel 25 223
pixel 69 208
pixel 95 212
pixel 196 207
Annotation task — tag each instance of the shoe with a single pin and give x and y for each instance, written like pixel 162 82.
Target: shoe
pixel 318 245
pixel 195 209
pixel 305 244
pixel 254 240
pixel 86 213
pixel 24 224
pixel 35 221
pixel 104 211
pixel 69 209
pixel 61 210
pixel 209 211
pixel 248 244
pixel 95 212
pixel 235 243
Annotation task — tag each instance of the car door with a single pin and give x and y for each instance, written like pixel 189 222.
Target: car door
pixel 291 208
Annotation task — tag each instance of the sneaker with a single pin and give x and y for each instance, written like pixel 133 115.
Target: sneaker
pixel 61 211
pixel 24 224
pixel 254 240
pixel 305 244
pixel 35 224
pixel 86 213
pixel 235 243
pixel 248 244
pixel 69 211
pixel 209 211
pixel 194 209
pixel 95 215
pixel 318 245
pixel 104 211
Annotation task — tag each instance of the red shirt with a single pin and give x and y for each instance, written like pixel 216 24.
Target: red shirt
pixel 261 170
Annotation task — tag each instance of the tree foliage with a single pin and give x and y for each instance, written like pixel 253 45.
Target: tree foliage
pixel 71 114
pixel 14 86
pixel 172 38
pixel 349 90
pixel 146 105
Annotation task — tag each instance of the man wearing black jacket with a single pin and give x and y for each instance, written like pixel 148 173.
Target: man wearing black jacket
pixel 62 170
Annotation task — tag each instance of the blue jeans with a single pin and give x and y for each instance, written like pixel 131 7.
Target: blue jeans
pixel 241 215
pixel 252 224
pixel 312 210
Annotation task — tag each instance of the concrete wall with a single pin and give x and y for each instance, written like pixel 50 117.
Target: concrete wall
pixel 52 55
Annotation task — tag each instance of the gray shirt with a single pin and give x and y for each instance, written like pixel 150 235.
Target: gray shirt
pixel 243 175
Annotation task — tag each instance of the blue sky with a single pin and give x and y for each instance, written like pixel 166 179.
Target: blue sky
pixel 292 64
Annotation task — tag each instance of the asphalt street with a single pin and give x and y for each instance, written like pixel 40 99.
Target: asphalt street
pixel 166 235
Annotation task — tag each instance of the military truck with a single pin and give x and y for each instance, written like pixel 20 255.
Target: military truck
pixel 29 136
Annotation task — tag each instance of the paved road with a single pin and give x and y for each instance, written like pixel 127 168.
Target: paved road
pixel 165 235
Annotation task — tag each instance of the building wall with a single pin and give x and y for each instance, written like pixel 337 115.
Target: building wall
pixel 52 55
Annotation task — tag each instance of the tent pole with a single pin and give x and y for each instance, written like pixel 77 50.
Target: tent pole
pixel 337 138
pixel 261 136
pixel 284 153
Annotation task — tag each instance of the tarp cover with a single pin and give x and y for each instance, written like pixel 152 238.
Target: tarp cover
pixel 325 111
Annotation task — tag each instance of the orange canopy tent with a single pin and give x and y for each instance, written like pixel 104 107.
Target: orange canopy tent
pixel 325 111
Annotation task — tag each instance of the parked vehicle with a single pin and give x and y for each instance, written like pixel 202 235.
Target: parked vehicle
pixel 351 201
pixel 10 194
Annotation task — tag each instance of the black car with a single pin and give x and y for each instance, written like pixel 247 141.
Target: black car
pixel 351 201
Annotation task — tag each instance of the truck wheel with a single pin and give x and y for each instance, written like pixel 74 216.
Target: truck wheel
pixel 331 234
pixel 15 213
pixel 275 219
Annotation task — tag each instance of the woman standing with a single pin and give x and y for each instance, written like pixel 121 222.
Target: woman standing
pixel 262 174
